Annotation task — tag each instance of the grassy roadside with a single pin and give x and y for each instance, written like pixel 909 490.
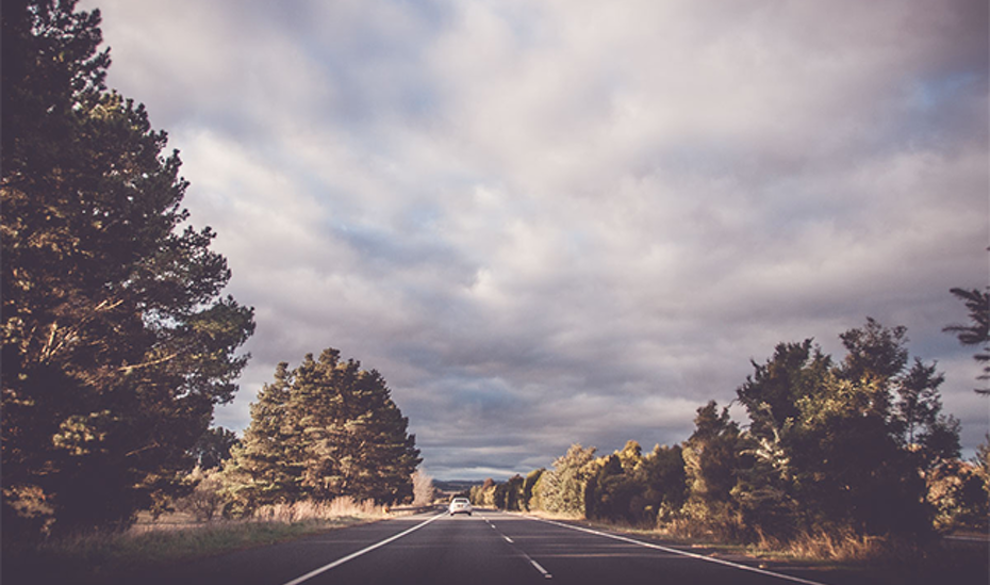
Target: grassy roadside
pixel 152 544
pixel 944 561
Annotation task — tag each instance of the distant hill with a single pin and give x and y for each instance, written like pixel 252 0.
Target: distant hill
pixel 455 485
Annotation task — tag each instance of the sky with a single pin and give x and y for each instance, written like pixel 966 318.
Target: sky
pixel 552 222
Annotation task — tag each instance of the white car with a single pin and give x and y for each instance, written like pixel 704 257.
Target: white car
pixel 460 506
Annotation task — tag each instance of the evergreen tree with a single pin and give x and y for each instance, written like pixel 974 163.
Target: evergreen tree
pixel 116 342
pixel 978 331
pixel 662 473
pixel 323 430
pixel 514 499
pixel 213 448
pixel 772 392
pixel 529 487
pixel 855 441
pixel 562 488
pixel 919 402
pixel 711 461
pixel 617 489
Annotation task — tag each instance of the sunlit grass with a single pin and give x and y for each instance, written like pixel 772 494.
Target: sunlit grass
pixel 844 551
pixel 176 538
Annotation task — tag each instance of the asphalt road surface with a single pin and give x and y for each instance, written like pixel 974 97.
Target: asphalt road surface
pixel 486 548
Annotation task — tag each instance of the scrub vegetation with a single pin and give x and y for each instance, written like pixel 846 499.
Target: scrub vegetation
pixel 842 459
pixel 154 542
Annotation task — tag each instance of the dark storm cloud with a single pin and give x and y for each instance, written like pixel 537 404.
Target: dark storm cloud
pixel 557 222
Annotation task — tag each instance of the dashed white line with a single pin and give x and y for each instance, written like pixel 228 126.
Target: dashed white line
pixel 365 550
pixel 546 574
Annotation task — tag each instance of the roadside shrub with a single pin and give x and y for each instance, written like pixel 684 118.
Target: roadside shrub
pixel 957 492
pixel 207 499
pixel 423 491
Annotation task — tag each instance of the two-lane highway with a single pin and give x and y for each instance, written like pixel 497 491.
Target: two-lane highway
pixel 486 548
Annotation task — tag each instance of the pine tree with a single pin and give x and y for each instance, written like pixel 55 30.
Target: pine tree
pixel 116 342
pixel 323 430
pixel 843 444
pixel 977 333
pixel 562 489
pixel 711 457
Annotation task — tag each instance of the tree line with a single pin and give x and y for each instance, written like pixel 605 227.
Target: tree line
pixel 852 446
pixel 118 343
pixel 117 340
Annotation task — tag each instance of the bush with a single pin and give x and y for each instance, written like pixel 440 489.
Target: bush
pixel 958 493
pixel 207 499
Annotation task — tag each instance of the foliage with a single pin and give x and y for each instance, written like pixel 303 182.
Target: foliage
pixel 207 499
pixel 663 475
pixel 844 457
pixel 324 430
pixel 484 494
pixel 845 443
pixel 958 492
pixel 633 488
pixel 509 495
pixel 562 488
pixel 529 487
pixel 213 447
pixel 116 342
pixel 711 460
pixel 611 493
pixel 422 488
pixel 978 331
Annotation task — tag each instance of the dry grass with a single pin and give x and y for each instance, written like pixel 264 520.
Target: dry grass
pixel 176 538
pixel 847 547
pixel 553 515
pixel 308 511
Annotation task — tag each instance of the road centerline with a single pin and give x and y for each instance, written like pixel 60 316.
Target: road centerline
pixel 546 574
pixel 363 551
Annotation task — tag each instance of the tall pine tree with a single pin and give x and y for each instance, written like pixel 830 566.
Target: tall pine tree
pixel 322 430
pixel 977 333
pixel 116 341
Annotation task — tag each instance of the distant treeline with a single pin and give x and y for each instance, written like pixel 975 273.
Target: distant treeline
pixel 859 446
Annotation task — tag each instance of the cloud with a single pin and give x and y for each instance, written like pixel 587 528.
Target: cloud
pixel 549 222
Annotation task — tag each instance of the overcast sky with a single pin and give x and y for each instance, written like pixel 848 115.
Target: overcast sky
pixel 548 222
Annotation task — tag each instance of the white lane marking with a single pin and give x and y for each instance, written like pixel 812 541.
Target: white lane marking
pixel 546 575
pixel 967 538
pixel 365 550
pixel 680 552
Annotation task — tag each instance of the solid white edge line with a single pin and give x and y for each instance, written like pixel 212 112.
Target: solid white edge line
pixel 365 550
pixel 681 552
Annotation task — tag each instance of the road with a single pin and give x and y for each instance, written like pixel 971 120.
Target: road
pixel 486 548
